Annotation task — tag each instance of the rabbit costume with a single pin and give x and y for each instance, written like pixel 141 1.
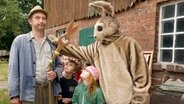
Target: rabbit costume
pixel 124 76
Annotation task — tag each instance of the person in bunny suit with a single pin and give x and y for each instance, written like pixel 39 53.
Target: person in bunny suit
pixel 124 77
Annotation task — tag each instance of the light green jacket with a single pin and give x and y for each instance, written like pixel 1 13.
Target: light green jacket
pixel 81 96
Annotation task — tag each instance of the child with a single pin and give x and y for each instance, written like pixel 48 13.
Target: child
pixel 64 59
pixel 67 82
pixel 88 91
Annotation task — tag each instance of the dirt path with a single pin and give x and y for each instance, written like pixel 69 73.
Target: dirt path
pixel 3 84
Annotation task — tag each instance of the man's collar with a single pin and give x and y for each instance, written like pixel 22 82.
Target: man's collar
pixel 33 37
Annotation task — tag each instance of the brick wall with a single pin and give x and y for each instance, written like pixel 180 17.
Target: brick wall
pixel 74 39
pixel 162 72
pixel 138 22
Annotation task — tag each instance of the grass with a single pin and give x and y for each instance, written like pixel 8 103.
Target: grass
pixel 3 70
pixel 4 77
pixel 4 96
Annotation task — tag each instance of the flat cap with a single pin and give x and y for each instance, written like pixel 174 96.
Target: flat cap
pixel 37 9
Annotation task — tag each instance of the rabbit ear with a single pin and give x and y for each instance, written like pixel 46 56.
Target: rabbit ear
pixel 103 8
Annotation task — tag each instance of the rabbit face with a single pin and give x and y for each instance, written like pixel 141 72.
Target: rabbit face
pixel 98 31
pixel 105 27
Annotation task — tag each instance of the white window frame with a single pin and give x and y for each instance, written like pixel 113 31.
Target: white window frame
pixel 60 32
pixel 174 32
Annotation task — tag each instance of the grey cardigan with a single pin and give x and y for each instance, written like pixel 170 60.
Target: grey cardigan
pixel 21 78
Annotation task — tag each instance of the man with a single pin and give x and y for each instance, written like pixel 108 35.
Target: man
pixel 29 57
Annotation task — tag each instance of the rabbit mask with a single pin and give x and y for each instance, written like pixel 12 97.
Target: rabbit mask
pixel 106 29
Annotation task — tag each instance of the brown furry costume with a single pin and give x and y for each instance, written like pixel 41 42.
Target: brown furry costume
pixel 124 76
pixel 122 68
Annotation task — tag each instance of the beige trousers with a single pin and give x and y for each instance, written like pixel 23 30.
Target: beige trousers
pixel 42 96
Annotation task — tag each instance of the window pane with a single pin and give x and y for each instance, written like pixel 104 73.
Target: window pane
pixel 167 26
pixel 179 40
pixel 179 56
pixel 180 25
pixel 167 41
pixel 166 55
pixel 60 32
pixel 180 9
pixel 168 11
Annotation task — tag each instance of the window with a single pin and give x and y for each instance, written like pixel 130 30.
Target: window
pixel 60 32
pixel 171 33
pixel 86 36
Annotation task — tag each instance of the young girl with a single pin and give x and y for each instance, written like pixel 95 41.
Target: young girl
pixel 67 82
pixel 88 92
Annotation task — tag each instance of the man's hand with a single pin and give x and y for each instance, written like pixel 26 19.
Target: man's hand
pixel 15 100
pixel 60 97
pixel 51 75
pixel 66 100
